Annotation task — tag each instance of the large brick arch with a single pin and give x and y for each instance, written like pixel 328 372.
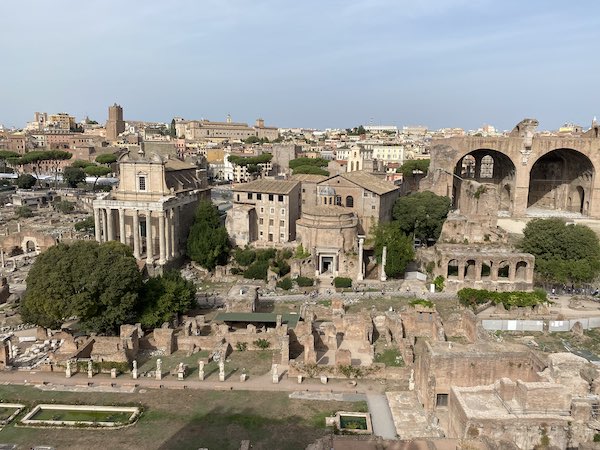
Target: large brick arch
pixel 524 149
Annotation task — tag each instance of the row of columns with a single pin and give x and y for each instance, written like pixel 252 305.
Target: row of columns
pixel 476 268
pixel 168 224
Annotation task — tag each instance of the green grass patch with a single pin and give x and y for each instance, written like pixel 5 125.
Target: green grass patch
pixel 5 413
pixel 390 357
pixel 81 416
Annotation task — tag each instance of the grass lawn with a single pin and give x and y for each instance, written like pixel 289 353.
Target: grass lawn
pixel 81 416
pixel 391 357
pixel 183 419
pixel 256 362
pixel 5 413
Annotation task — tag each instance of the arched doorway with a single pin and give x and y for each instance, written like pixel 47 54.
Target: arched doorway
pixel 484 166
pixel 452 269
pixel 521 271
pixel 29 247
pixel 561 180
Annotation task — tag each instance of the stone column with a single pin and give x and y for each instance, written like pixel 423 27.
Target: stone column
pixel 275 374
pixel 68 372
pixel 122 226
pixel 168 246
pixel 161 237
pixel 90 370
pixel 383 262
pixel 104 226
pixel 494 270
pixel 2 256
pixel 221 370
pixel 149 239
pixel 134 372
pixel 201 370
pixel 461 270
pixel 512 271
pixel 97 225
pixel 478 268
pixel 360 276
pixel 110 229
pixel 477 173
pixel 159 369
pixel 136 234
pixel 175 232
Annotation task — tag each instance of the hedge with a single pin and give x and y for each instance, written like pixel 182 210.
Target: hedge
pixel 305 281
pixel 342 282
pixel 473 297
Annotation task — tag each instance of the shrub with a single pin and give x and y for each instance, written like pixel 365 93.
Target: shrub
pixel 236 271
pixel 439 283
pixel 473 297
pixel 263 344
pixel 87 225
pixel 23 212
pixel 64 206
pixel 305 281
pixel 285 284
pixel 265 254
pixel 422 302
pixel 257 270
pixel 244 257
pixel 286 253
pixel 301 253
pixel 241 346
pixel 342 282
pixel 280 267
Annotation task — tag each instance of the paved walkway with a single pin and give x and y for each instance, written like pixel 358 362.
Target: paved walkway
pixel 381 416
pixel 409 418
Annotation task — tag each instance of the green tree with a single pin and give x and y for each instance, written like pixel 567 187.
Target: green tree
pixel 563 253
pixel 314 170
pixel 411 166
pixel 73 176
pixel 6 155
pixel 26 181
pixel 317 162
pixel 81 164
pixel 64 206
pixel 421 214
pixel 400 250
pixel 56 156
pixel 22 212
pixel 86 225
pixel 208 241
pixel 163 297
pixel 106 158
pixel 96 171
pixel 98 283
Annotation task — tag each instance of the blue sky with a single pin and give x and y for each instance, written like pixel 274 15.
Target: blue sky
pixel 327 63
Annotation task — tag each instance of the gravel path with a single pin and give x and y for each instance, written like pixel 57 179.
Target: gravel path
pixel 381 416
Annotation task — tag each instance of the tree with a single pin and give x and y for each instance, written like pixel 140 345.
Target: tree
pixel 208 241
pixel 421 214
pixel 56 156
pixel 563 253
pixel 22 212
pixel 26 181
pixel 73 176
pixel 86 225
pixel 163 297
pixel 64 206
pixel 314 170
pixel 98 283
pixel 96 171
pixel 6 155
pixel 106 158
pixel 412 166
pixel 81 164
pixel 317 162
pixel 400 250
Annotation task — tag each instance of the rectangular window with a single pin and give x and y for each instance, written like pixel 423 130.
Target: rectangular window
pixel 283 211
pixel 282 223
pixel 262 210
pixel 282 235
pixel 142 183
pixel 270 222
pixel 272 210
pixel 365 193
pixel 249 195
pixel 238 197
pixel 373 207
pixel 270 237
pixel 441 400
pixel 260 221
pixel 258 196
pixel 280 198
pixel 261 234
pixel 270 197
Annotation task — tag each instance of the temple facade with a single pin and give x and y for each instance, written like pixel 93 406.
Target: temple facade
pixel 152 208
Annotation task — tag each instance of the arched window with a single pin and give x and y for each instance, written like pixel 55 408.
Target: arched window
pixel 349 202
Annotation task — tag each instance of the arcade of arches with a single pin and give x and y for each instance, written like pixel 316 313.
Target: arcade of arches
pixel 482 268
pixel 531 173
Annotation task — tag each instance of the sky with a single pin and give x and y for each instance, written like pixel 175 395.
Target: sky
pixel 314 64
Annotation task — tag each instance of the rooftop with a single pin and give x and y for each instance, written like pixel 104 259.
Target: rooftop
pixel 369 182
pixel 267 186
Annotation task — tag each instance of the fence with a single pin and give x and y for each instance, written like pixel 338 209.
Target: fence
pixel 539 325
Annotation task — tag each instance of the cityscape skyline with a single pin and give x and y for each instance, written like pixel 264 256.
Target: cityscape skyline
pixel 316 66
